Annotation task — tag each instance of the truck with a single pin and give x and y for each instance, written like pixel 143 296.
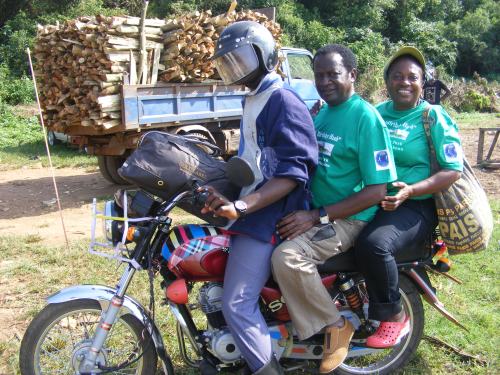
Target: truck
pixel 210 110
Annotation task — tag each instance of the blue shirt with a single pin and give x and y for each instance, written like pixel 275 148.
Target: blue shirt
pixel 277 138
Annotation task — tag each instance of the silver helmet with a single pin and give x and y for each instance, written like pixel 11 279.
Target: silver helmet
pixel 244 51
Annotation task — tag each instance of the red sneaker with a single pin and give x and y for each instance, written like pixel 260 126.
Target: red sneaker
pixel 388 334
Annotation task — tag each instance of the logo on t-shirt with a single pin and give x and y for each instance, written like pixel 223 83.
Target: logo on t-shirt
pixel 325 148
pixel 452 152
pixel 382 160
pixel 399 134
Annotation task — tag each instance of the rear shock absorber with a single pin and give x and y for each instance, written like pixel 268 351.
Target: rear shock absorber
pixel 351 294
pixel 348 288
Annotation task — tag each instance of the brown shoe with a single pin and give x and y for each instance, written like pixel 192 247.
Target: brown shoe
pixel 336 346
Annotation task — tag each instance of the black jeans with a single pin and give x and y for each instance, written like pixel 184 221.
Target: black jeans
pixel 377 244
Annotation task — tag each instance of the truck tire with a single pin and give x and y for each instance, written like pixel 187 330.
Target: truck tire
pixel 108 166
pixel 51 138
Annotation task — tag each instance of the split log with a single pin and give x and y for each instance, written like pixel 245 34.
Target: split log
pixel 81 63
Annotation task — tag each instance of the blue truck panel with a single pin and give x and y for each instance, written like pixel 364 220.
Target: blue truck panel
pixel 174 104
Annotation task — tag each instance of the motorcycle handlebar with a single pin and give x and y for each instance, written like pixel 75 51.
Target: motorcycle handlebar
pixel 200 194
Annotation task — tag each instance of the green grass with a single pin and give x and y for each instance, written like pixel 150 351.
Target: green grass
pixel 22 142
pixel 477 120
pixel 29 272
pixel 22 145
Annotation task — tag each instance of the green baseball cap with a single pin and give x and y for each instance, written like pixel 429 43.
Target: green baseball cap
pixel 406 50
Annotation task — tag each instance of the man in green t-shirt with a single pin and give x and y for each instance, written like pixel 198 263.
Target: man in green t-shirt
pixel 355 164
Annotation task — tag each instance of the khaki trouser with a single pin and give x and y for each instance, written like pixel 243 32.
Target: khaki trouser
pixel 294 268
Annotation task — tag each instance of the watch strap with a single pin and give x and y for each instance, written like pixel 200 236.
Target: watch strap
pixel 323 216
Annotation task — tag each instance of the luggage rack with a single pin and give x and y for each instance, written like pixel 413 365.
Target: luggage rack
pixel 108 249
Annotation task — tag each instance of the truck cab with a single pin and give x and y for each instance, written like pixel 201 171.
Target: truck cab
pixel 297 67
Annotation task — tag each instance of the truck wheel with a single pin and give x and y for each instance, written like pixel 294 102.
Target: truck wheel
pixel 51 138
pixel 202 137
pixel 108 166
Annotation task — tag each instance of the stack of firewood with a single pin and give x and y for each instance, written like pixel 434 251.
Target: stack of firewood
pixel 190 42
pixel 81 64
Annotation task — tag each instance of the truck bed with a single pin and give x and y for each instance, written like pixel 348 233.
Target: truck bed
pixel 167 104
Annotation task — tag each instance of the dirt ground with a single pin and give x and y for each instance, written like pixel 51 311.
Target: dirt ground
pixel 28 205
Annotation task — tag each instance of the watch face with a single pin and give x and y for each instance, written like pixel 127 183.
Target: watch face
pixel 240 206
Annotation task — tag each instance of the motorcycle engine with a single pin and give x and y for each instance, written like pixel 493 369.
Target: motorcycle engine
pixel 220 341
pixel 210 299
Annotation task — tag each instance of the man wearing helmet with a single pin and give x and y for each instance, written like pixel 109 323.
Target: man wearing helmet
pixel 278 141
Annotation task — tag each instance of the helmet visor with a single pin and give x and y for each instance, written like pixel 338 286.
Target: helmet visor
pixel 237 64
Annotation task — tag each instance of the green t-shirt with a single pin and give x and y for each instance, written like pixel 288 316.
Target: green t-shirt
pixel 409 142
pixel 354 151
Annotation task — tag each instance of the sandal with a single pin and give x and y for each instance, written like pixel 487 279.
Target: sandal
pixel 388 334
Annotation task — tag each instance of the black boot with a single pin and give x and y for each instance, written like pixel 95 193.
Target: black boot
pixel 272 368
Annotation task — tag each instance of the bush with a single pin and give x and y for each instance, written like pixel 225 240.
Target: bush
pixel 475 95
pixel 15 90
pixel 477 101
pixel 17 130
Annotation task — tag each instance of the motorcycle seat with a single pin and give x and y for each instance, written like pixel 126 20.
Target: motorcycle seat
pixel 345 262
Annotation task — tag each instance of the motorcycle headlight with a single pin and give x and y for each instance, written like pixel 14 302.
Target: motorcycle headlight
pixel 113 229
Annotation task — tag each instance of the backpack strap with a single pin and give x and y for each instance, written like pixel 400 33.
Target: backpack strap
pixel 432 151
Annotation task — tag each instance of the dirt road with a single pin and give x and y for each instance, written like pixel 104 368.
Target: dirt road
pixel 28 202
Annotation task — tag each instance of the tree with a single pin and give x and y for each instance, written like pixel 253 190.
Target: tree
pixel 430 38
pixel 34 8
pixel 476 35
pixel 351 13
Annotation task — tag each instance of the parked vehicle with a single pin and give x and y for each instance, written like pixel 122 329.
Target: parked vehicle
pixel 209 109
pixel 94 329
pixel 55 138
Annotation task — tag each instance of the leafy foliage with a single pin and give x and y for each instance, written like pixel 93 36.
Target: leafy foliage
pixel 477 36
pixel 459 36
pixel 476 95
pixel 15 90
pixel 17 130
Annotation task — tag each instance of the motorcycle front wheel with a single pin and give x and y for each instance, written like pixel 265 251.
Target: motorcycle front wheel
pixel 388 361
pixel 60 335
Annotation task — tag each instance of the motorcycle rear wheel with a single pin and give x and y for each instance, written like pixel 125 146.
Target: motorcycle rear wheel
pixel 388 361
pixel 61 331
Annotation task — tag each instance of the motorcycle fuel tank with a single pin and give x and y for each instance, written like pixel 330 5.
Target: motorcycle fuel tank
pixel 197 252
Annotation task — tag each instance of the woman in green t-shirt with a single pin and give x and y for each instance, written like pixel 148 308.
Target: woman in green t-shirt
pixel 408 215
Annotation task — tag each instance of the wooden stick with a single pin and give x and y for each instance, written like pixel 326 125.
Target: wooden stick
pixel 156 62
pixel 47 148
pixel 142 73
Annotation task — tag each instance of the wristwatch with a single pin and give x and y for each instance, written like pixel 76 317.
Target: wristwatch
pixel 323 216
pixel 240 207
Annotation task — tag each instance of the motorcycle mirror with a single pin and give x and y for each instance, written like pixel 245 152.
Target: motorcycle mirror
pixel 239 172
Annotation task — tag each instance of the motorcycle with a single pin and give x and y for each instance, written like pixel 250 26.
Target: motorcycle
pixel 95 329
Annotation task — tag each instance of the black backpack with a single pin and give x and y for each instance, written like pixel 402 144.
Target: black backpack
pixel 165 165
